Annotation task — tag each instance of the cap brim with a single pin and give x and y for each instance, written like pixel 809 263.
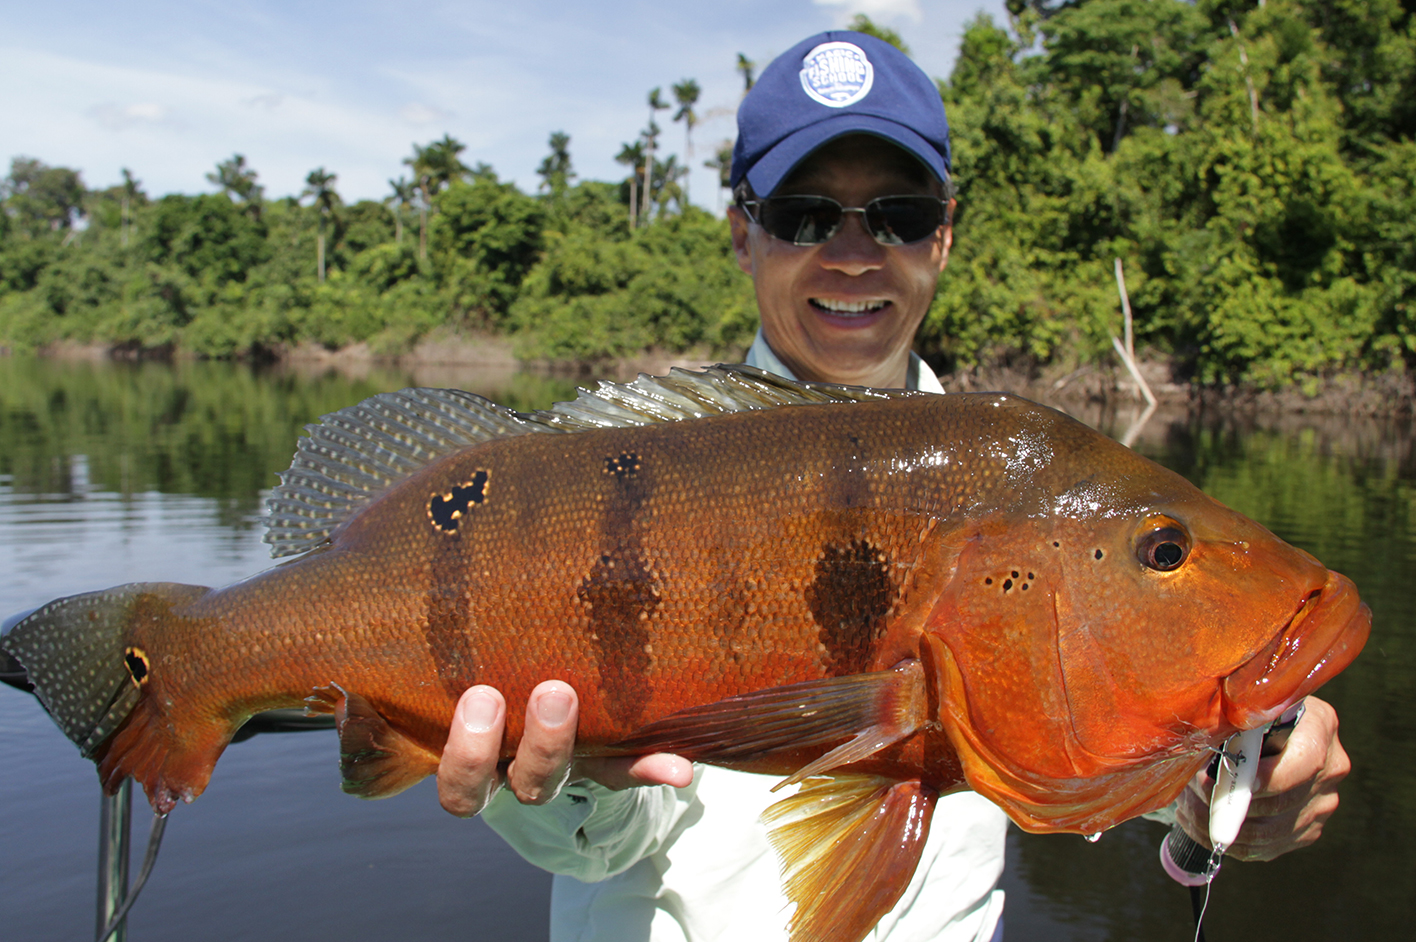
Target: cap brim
pixel 777 164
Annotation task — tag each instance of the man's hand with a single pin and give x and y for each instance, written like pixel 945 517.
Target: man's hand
pixel 1294 795
pixel 468 775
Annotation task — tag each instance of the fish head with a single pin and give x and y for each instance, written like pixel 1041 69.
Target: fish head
pixel 1112 627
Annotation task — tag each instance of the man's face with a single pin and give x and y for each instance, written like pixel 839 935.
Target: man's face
pixel 845 311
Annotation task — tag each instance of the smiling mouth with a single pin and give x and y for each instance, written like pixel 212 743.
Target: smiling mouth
pixel 850 308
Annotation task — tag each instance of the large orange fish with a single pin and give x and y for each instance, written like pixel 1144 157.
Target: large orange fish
pixel 885 596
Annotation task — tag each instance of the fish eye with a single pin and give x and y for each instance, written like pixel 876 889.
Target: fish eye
pixel 1164 547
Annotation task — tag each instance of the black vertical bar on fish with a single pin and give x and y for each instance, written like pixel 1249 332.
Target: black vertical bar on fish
pixel 115 829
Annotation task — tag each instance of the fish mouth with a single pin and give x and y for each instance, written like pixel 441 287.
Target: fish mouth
pixel 1323 635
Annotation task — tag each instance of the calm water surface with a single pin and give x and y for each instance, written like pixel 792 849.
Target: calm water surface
pixel 112 474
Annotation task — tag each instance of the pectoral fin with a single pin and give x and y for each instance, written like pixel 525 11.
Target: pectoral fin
pixel 376 760
pixel 849 845
pixel 870 710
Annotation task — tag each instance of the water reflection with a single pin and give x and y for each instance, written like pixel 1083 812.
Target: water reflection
pixel 118 473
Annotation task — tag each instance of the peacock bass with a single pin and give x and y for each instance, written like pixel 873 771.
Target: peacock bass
pixel 882 595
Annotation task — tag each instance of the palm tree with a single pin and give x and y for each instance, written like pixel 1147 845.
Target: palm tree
pixel 238 181
pixel 320 186
pixel 132 188
pixel 555 171
pixel 722 161
pixel 686 94
pixel 434 167
pixel 405 193
pixel 631 155
pixel 745 67
pixel 656 104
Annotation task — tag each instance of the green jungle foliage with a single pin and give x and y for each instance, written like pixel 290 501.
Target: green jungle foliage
pixel 1250 164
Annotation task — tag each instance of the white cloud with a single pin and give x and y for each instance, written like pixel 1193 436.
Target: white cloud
pixel 875 9
pixel 418 113
pixel 268 101
pixel 117 117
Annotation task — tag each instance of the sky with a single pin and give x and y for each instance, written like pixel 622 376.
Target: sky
pixel 167 88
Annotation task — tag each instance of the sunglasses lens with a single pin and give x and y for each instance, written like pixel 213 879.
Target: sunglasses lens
pixel 804 220
pixel 811 220
pixel 900 220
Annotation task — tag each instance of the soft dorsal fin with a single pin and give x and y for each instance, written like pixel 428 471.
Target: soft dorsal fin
pixel 354 455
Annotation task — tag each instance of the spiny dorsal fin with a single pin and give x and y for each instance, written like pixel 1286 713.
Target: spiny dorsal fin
pixel 354 455
pixel 686 394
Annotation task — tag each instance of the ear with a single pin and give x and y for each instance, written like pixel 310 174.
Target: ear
pixel 948 239
pixel 741 229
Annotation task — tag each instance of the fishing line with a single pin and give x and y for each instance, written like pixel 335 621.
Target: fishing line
pixel 159 824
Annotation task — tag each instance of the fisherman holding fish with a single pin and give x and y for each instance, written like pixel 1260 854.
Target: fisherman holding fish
pixel 842 217
pixel 885 597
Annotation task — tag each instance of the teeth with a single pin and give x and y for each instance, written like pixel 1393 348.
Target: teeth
pixel 848 307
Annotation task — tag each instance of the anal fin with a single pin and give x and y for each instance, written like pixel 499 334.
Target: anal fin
pixel 871 711
pixel 849 845
pixel 375 759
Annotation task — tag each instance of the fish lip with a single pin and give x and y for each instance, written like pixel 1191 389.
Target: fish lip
pixel 1325 632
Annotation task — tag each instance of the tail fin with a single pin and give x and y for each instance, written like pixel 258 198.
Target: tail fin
pixel 79 654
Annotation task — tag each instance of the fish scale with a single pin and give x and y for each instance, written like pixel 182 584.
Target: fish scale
pixel 882 596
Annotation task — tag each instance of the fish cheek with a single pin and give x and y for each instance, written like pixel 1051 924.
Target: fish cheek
pixel 1125 639
pixel 1004 640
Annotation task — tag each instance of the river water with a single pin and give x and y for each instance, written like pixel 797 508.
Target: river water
pixel 114 473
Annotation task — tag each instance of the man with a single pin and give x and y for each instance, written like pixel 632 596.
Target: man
pixel 841 288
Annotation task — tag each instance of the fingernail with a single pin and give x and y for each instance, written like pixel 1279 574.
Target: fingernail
pixel 553 708
pixel 479 712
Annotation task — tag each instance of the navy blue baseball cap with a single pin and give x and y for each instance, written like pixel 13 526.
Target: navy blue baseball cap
pixel 829 85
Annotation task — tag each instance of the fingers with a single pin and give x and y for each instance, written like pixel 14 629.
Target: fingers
pixel 467 774
pixel 1295 791
pixel 543 758
pixel 661 768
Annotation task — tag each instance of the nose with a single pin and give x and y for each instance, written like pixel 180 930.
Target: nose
pixel 852 250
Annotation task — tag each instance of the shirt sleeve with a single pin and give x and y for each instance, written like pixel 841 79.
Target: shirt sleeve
pixel 588 831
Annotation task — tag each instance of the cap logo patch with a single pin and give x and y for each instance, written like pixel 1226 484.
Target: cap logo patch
pixel 837 74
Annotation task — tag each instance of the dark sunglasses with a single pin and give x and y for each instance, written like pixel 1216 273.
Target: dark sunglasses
pixel 811 220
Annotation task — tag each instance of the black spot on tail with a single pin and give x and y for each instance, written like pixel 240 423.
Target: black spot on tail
pixel 447 510
pixel 137 661
pixel 849 599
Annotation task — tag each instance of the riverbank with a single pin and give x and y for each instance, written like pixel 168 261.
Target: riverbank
pixel 446 358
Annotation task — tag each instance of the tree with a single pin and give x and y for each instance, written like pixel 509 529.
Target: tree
pixel 686 94
pixel 745 67
pixel 651 136
pixel 486 236
pixel 132 190
pixel 863 24
pixel 405 193
pixel 722 161
pixel 319 186
pixel 555 171
pixel 238 182
pixel 434 167
pixel 42 198
pixel 632 155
